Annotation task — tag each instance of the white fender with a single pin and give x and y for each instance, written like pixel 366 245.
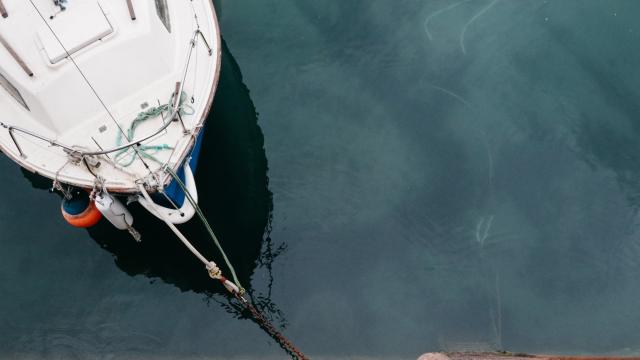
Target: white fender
pixel 182 215
pixel 112 209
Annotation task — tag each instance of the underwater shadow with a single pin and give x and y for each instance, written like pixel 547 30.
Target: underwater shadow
pixel 233 194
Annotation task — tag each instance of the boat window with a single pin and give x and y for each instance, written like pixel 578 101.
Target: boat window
pixel 12 91
pixel 163 13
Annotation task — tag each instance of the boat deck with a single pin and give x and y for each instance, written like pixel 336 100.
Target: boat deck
pixel 92 69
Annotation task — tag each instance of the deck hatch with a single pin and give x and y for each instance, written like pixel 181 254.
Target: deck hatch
pixel 77 27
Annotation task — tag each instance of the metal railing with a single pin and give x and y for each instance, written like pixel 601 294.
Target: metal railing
pixel 75 151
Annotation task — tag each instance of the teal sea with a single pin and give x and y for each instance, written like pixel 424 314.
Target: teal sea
pixel 389 177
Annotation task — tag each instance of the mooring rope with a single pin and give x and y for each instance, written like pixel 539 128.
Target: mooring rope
pixel 212 268
pixel 271 330
pixel 147 151
pixel 214 271
pixel 206 225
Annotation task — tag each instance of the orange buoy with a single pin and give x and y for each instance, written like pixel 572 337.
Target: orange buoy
pixel 80 211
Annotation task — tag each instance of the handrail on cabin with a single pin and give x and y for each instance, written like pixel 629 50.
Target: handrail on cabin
pixel 3 10
pixel 132 12
pixel 13 53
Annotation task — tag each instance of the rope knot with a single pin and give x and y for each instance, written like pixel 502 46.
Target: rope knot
pixel 214 270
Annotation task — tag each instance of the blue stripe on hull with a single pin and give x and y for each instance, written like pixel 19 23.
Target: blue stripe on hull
pixel 173 190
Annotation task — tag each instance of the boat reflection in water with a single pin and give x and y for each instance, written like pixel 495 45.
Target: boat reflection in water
pixel 233 194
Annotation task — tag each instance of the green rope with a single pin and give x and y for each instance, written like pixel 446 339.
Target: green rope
pixel 126 157
pixel 206 224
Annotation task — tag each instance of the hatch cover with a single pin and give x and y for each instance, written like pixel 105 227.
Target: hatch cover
pixel 81 24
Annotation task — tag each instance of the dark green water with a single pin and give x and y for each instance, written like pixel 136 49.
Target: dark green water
pixel 389 177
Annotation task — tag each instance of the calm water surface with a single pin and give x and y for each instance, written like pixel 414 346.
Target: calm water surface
pixel 389 177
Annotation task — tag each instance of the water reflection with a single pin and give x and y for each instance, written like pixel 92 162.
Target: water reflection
pixel 233 189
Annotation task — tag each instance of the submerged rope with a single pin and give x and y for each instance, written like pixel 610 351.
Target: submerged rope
pixel 271 330
pixel 125 157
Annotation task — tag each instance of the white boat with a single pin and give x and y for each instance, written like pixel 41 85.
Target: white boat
pixel 109 96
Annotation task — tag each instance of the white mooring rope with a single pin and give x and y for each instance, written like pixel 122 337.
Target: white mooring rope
pixel 213 236
pixel 236 290
pixel 211 266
